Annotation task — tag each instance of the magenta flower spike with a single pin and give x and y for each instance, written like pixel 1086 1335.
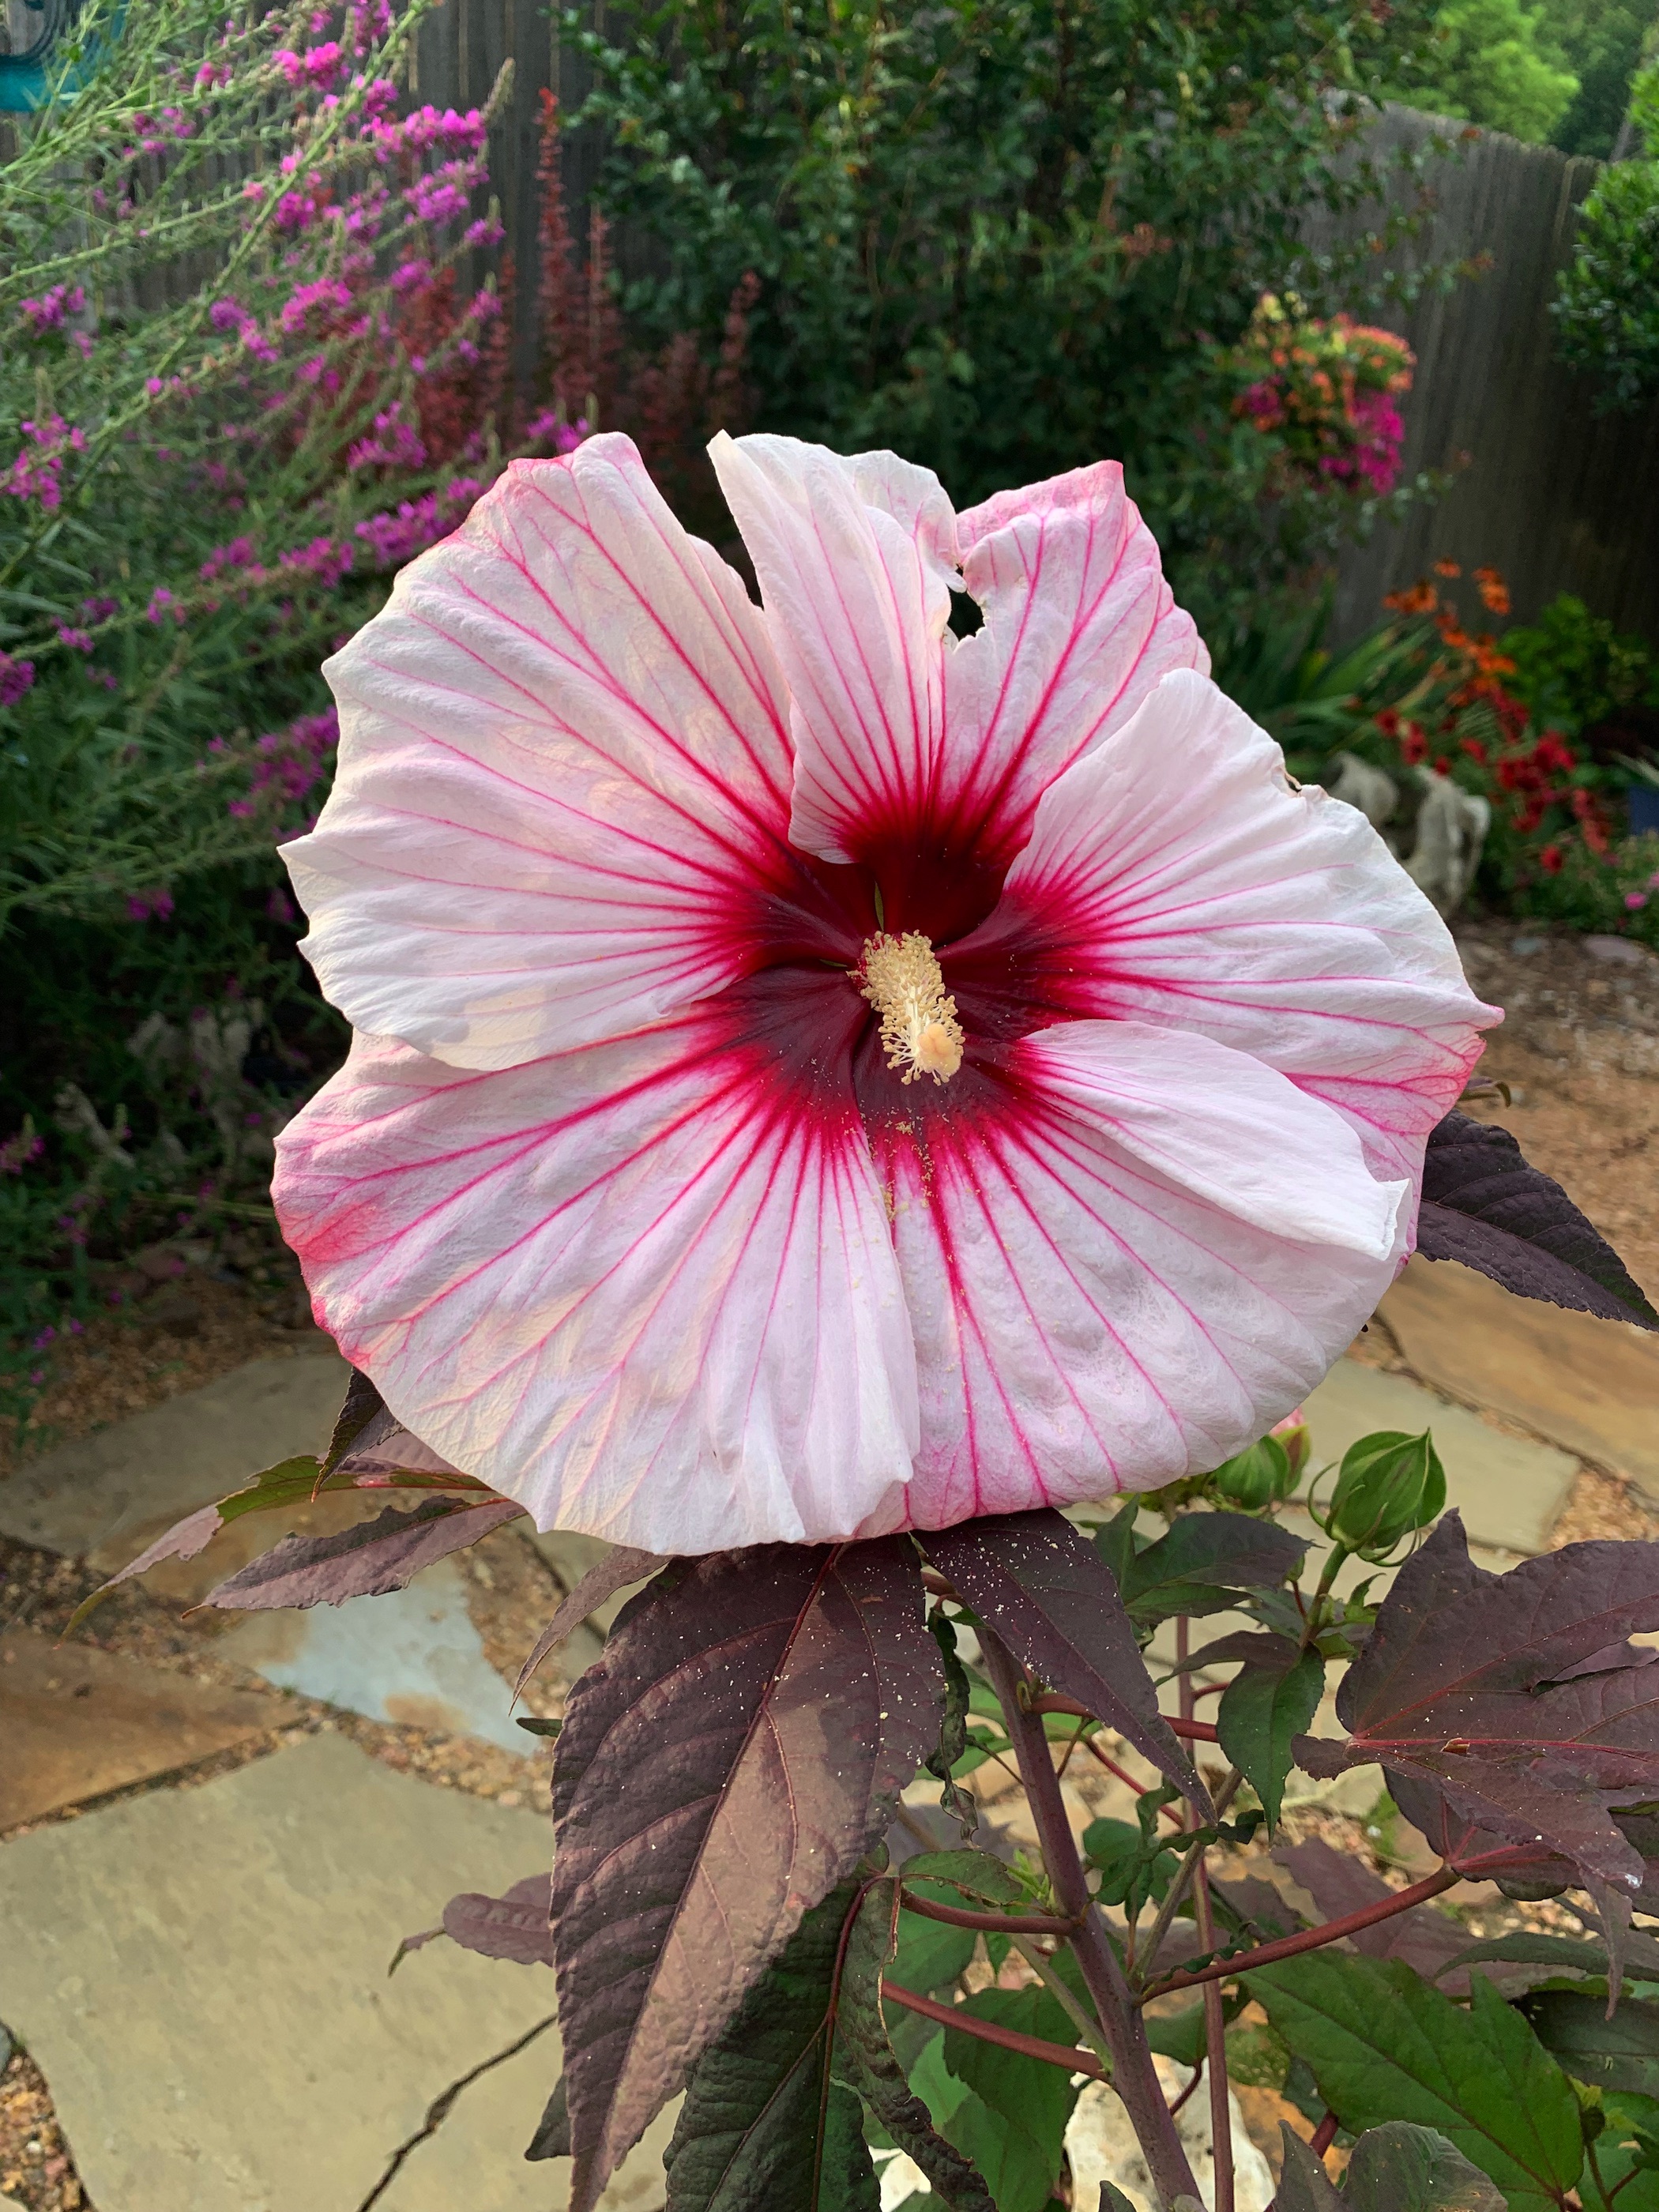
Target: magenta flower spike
pixel 816 1075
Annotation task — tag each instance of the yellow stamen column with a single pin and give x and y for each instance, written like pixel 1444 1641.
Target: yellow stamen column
pixel 901 979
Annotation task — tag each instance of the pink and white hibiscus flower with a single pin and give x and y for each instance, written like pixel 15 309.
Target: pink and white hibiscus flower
pixel 816 1075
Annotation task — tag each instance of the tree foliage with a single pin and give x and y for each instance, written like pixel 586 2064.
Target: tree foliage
pixel 1005 237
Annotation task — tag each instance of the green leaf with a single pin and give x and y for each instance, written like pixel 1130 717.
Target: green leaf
pixel 865 2060
pixel 1204 1564
pixel 930 1955
pixel 1395 2168
pixel 1131 1868
pixel 1383 2045
pixel 1562 1953
pixel 974 1874
pixel 1017 2134
pixel 1402 2168
pixel 763 2129
pixel 1262 1709
pixel 1621 2053
pixel 1179 2035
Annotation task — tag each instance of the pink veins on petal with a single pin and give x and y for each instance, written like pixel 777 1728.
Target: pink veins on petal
pixel 816 1075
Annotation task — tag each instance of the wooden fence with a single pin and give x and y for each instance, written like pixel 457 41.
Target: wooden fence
pixel 1557 497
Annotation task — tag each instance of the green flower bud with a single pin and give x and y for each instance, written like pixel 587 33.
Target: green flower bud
pixel 1389 1484
pixel 1258 1477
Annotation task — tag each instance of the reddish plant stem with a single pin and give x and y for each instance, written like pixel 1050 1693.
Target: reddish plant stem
pixel 1323 2136
pixel 1050 1702
pixel 1215 2022
pixel 1075 2061
pixel 996 1923
pixel 1133 2076
pixel 1197 2077
pixel 1170 1812
pixel 1310 1939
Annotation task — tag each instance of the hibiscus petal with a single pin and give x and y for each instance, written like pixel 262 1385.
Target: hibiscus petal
pixel 562 764
pixel 1079 626
pixel 1175 877
pixel 1140 1252
pixel 637 1286
pixel 856 558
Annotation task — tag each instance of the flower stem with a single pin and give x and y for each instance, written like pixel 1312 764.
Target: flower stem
pixel 1215 2023
pixel 1133 2076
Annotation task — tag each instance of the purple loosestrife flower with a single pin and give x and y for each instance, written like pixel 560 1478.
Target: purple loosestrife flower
pixel 15 677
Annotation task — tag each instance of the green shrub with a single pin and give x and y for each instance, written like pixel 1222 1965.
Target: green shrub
pixel 1005 237
pixel 1606 304
pixel 1495 63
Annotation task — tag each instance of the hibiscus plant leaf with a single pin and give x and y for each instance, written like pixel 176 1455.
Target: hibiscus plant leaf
pixel 865 2060
pixel 1397 2167
pixel 1384 2045
pixel 1621 2053
pixel 1485 1205
pixel 362 1402
pixel 696 1817
pixel 1463 1686
pixel 552 2136
pixel 764 2128
pixel 377 1556
pixel 1013 2125
pixel 1041 1585
pixel 516 1925
pixel 1263 1709
pixel 1339 1884
pixel 623 1565
pixel 1204 1564
pixel 1304 2185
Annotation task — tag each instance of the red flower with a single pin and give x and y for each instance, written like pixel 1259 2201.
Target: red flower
pixel 1550 860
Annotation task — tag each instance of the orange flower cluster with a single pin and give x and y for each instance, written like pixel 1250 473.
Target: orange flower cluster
pixel 1530 779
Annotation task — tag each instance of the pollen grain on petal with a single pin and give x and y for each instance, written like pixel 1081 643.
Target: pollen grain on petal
pixel 901 979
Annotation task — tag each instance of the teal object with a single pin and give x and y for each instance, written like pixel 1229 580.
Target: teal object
pixel 31 32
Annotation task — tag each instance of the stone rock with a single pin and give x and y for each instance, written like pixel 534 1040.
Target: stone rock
pixel 1620 949
pixel 77 1722
pixel 412 1657
pixel 1509 1489
pixel 1592 1387
pixel 201 1975
pixel 1101 2147
pixel 105 1497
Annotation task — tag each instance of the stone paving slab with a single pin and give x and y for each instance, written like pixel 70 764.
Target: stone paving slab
pixel 1590 1386
pixel 201 1975
pixel 104 1496
pixel 1509 1489
pixel 77 1722
pixel 412 1657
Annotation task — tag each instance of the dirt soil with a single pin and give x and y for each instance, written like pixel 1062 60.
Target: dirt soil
pixel 1579 1050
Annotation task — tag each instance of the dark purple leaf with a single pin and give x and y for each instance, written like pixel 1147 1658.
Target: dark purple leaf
pixel 517 1926
pixel 378 1555
pixel 1461 1687
pixel 1040 1585
pixel 1340 1884
pixel 602 1581
pixel 552 2136
pixel 726 1762
pixel 362 1403
pixel 1484 1205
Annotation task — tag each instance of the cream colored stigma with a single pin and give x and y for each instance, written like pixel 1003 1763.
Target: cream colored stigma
pixel 901 979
